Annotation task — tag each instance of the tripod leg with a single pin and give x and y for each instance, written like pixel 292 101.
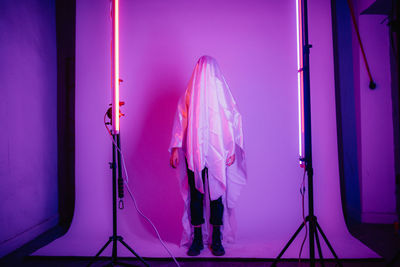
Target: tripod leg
pixel 311 239
pixel 114 252
pixel 288 244
pixel 131 250
pixel 321 257
pixel 328 244
pixel 98 253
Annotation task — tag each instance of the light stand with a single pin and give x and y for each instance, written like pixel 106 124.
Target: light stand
pixel 114 114
pixel 314 227
pixel 114 165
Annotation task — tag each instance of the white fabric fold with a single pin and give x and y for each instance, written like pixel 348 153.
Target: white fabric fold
pixel 208 129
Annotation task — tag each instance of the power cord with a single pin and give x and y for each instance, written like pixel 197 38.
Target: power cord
pixel 131 194
pixel 302 193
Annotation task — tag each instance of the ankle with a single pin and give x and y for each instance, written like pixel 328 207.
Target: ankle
pixel 217 229
pixel 197 233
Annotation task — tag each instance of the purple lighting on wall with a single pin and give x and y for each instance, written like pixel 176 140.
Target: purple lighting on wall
pixel 255 43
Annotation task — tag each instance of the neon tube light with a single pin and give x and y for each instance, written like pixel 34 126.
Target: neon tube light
pixel 115 104
pixel 300 83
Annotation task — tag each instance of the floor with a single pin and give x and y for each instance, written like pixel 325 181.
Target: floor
pixel 383 239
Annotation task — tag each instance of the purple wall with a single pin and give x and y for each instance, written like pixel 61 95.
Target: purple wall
pixel 255 44
pixel 28 149
pixel 375 122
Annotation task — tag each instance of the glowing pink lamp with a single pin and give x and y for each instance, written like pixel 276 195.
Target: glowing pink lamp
pixel 300 82
pixel 117 158
pixel 115 68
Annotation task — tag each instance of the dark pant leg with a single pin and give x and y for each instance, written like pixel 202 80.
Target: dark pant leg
pixel 217 211
pixel 196 201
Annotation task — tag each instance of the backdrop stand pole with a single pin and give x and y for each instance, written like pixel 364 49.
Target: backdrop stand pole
pixel 314 227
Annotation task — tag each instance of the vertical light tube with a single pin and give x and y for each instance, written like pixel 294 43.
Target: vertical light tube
pixel 115 103
pixel 300 89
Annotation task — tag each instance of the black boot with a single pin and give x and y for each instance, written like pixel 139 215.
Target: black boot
pixel 216 246
pixel 197 244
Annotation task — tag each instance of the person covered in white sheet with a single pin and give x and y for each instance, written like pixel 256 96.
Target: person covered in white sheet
pixel 208 130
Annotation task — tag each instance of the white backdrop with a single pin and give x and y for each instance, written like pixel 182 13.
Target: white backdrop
pixel 255 45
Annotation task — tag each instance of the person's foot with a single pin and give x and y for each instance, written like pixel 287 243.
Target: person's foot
pixel 216 245
pixel 197 244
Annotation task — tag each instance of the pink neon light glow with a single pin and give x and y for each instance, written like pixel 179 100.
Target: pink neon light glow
pixel 299 24
pixel 116 66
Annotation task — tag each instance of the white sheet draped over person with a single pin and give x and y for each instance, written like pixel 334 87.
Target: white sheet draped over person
pixel 207 142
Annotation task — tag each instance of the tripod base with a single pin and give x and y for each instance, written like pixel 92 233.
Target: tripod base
pixel 114 258
pixel 315 228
